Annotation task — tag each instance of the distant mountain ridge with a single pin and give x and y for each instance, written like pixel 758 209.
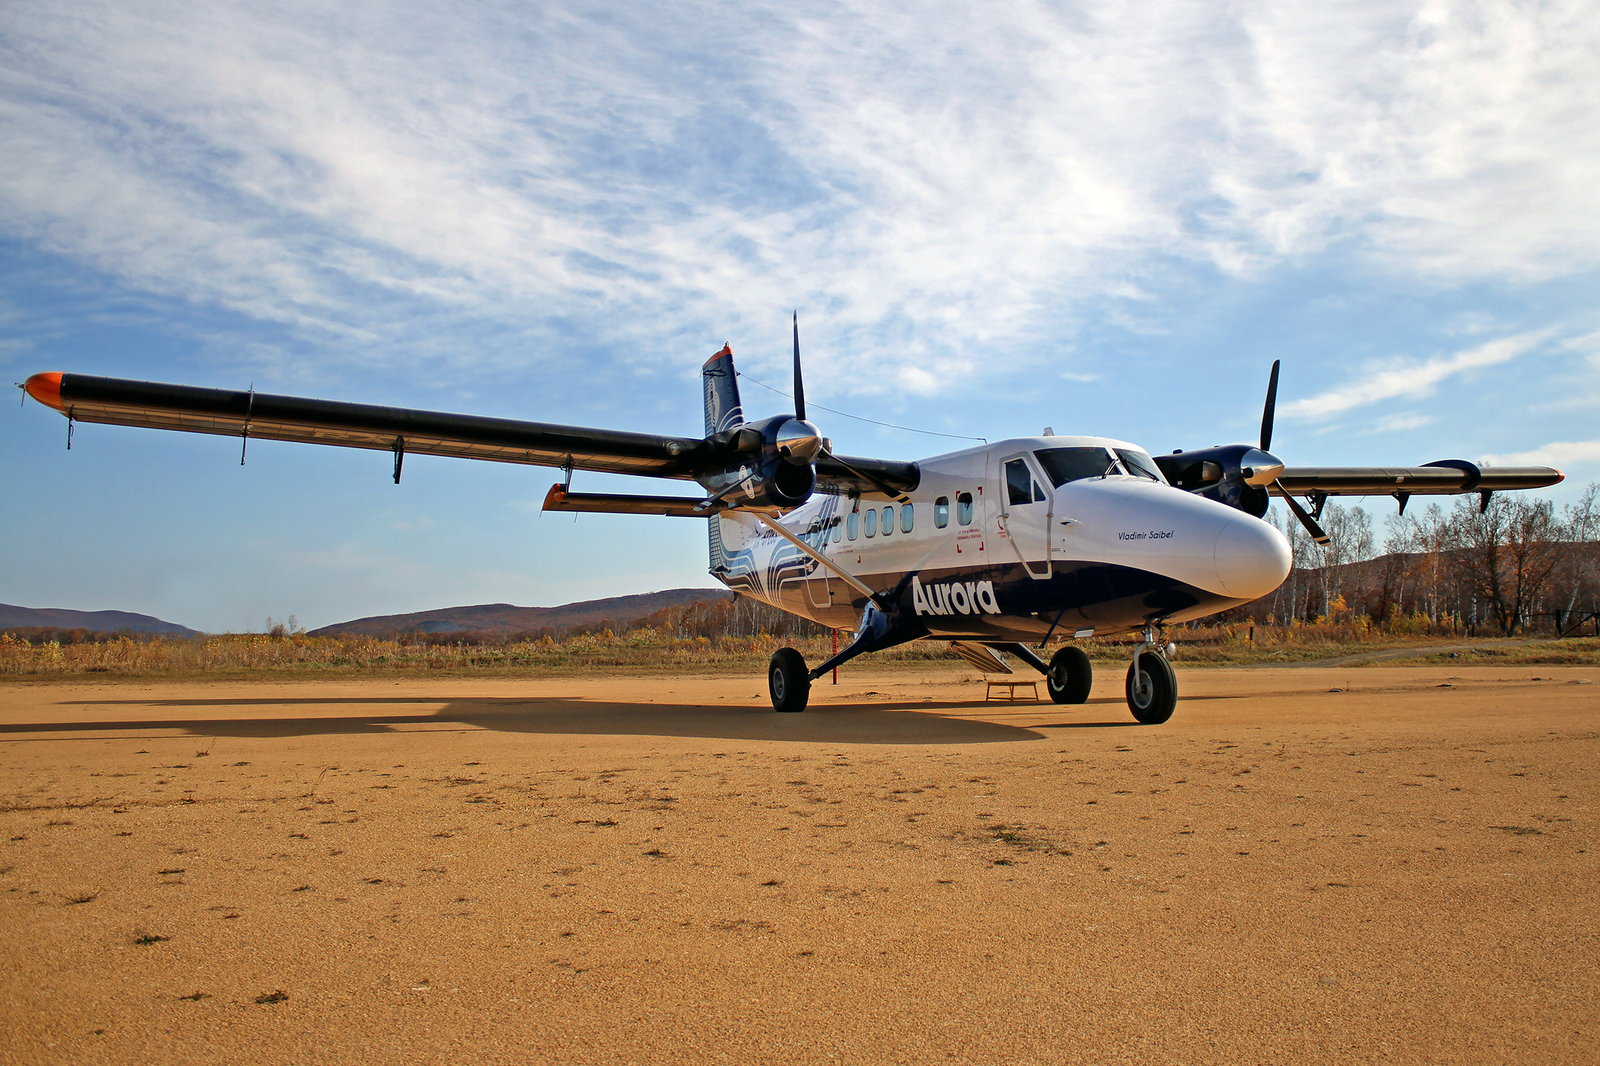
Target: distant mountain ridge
pixel 95 621
pixel 504 618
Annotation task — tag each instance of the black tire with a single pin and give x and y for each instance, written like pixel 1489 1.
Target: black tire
pixel 787 681
pixel 1152 688
pixel 1070 676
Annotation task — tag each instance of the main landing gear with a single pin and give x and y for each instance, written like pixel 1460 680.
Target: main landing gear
pixel 1070 676
pixel 1152 687
pixel 788 681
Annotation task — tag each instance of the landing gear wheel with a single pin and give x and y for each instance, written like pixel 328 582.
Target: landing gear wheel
pixel 788 681
pixel 1152 688
pixel 1070 676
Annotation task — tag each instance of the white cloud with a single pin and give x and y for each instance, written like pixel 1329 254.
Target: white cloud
pixel 1412 380
pixel 1558 454
pixel 930 184
pixel 1406 420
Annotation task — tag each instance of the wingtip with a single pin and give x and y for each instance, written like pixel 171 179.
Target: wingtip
pixel 46 388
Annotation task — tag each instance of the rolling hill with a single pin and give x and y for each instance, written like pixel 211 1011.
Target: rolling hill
pixel 95 621
pixel 505 618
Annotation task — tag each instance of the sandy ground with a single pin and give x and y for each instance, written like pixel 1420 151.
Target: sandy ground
pixel 1304 865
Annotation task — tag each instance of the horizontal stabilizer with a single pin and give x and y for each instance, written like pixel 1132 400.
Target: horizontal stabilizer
pixel 559 499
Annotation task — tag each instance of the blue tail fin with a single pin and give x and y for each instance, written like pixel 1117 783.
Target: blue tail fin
pixel 723 410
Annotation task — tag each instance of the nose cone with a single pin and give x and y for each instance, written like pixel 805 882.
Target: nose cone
pixel 1260 468
pixel 1251 557
pixel 798 441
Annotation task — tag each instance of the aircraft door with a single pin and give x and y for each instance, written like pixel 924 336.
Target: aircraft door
pixel 1025 512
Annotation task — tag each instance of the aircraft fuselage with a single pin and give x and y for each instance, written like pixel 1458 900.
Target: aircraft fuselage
pixel 1021 540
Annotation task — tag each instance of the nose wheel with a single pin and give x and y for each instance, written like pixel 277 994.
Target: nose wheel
pixel 1152 686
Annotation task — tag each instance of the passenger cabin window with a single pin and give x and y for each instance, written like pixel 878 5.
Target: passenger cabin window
pixel 888 521
pixel 852 525
pixel 1139 464
pixel 1062 465
pixel 838 530
pixel 964 508
pixel 941 512
pixel 870 519
pixel 908 517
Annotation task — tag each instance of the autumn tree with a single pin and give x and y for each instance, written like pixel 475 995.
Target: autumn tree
pixel 1505 554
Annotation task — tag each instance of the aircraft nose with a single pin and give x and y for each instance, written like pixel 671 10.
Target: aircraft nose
pixel 1252 558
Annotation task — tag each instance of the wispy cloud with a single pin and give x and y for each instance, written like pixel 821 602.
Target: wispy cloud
pixel 1412 380
pixel 1396 423
pixel 1558 454
pixel 933 183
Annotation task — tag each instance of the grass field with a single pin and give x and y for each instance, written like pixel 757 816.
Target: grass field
pixel 654 651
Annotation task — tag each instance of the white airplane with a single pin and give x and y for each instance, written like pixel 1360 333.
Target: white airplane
pixel 1010 547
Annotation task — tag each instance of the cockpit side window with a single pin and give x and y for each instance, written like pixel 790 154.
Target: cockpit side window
pixel 1139 464
pixel 1019 482
pixel 1062 465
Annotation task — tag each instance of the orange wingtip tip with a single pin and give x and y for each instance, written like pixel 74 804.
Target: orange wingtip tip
pixel 46 388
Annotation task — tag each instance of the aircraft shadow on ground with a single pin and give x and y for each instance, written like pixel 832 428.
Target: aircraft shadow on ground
pixel 864 723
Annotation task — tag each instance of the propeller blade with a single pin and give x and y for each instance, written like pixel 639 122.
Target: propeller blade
pixel 1300 512
pixel 1271 407
pixel 799 386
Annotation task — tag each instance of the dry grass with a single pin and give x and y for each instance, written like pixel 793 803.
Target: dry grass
pixel 650 650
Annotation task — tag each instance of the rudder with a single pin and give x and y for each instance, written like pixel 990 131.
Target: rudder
pixel 723 410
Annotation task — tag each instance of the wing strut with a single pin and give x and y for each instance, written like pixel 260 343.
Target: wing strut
pixel 848 579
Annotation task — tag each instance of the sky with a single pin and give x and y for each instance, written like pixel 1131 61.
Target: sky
pixel 1102 217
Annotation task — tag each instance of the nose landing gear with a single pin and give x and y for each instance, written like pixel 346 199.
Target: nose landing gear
pixel 1152 687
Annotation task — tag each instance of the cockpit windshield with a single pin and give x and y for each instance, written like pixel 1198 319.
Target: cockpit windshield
pixel 1139 464
pixel 1062 465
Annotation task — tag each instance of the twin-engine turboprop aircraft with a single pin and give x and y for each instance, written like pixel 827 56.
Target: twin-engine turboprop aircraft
pixel 1009 547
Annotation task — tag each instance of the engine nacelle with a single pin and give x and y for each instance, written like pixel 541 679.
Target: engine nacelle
pixel 1234 474
pixel 771 486
pixel 776 464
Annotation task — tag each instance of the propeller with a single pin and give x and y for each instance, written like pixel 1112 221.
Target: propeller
pixel 799 442
pixel 819 446
pixel 1245 476
pixel 1268 411
pixel 1259 472
pixel 799 385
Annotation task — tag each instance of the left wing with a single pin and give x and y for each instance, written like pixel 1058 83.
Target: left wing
pixel 246 414
pixel 352 425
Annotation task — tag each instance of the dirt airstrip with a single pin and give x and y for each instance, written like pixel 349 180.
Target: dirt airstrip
pixel 1357 864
